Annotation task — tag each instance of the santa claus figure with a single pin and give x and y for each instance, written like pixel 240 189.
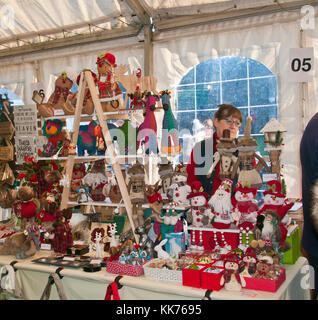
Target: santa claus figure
pixel 199 214
pixel 232 277
pixel 245 210
pixel 179 189
pixel 275 200
pixel 222 206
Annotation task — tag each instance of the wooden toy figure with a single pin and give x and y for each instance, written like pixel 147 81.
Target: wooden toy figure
pixel 147 131
pixel 247 147
pixel 224 154
pixel 137 191
pixel 169 126
pixel 110 92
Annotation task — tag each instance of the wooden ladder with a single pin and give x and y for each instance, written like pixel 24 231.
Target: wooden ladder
pixel 87 79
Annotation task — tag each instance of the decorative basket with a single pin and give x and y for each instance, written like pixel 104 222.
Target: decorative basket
pixel 7 152
pixel 162 274
pixel 126 269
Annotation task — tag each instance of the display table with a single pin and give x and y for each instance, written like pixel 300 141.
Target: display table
pixel 80 285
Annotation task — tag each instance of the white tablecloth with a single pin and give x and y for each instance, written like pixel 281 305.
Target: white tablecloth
pixel 80 285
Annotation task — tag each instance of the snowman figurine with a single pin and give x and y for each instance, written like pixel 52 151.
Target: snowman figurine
pixel 275 200
pixel 179 189
pixel 245 210
pixel 199 215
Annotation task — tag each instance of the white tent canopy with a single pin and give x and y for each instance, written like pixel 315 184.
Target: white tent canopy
pixel 166 38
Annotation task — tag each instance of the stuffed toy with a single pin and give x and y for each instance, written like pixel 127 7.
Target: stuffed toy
pixel 63 85
pixel 69 105
pixel 250 260
pixel 14 244
pixel 137 99
pixel 275 200
pixel 166 173
pixel 199 214
pixel 26 207
pixel 179 189
pixel 147 131
pixel 169 137
pixel 83 195
pixel 111 188
pixel 86 139
pixel 155 201
pixel 224 155
pixel 110 93
pixel 79 171
pixel 232 277
pixel 137 191
pixel 96 179
pixel 52 130
pixel 222 206
pixel 52 177
pixel 246 154
pixel 270 233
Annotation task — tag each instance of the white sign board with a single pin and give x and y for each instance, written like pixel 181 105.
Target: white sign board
pixel 25 146
pixel 301 64
pixel 25 120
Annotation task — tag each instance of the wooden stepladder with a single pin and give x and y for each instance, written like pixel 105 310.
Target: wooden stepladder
pixel 86 79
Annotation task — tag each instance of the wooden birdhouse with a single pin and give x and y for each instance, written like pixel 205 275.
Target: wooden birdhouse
pixel 273 133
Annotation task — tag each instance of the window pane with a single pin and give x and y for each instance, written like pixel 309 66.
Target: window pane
pixel 208 71
pixel 261 145
pixel 186 98
pixel 256 69
pixel 260 116
pixel 235 92
pixel 185 120
pixel 208 95
pixel 188 78
pixel 233 68
pixel 263 91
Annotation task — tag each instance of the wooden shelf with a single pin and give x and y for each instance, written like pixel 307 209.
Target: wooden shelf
pixel 101 204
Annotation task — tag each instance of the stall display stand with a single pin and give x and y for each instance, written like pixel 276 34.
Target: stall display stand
pixel 86 78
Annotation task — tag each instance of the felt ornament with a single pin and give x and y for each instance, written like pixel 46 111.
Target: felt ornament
pixel 110 93
pixel 52 130
pixel 63 85
pixel 221 205
pixel 275 199
pixel 232 277
pixel 147 131
pixel 247 147
pixel 69 105
pixel 169 137
pixel 224 155
pixel 179 189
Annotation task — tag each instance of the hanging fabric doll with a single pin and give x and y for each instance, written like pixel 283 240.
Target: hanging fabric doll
pixel 169 137
pixel 224 154
pixel 222 205
pixel 247 147
pixel 275 200
pixel 245 210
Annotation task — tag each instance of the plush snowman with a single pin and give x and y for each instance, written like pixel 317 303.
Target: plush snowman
pixel 179 189
pixel 275 200
pixel 222 205
pixel 245 210
pixel 199 215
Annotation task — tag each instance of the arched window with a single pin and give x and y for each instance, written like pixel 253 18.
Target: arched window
pixel 243 82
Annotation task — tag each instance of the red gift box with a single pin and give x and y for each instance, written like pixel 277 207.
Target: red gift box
pixel 192 277
pixel 265 284
pixel 126 269
pixel 211 277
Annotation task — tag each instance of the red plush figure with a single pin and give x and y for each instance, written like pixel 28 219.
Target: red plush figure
pixel 62 234
pixel 275 200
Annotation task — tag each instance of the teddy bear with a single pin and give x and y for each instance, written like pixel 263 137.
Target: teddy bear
pixel 63 85
pixel 52 130
pixel 26 207
pixel 14 244
pixel 79 171
pixel 69 105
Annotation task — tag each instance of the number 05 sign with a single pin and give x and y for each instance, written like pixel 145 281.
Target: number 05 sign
pixel 301 64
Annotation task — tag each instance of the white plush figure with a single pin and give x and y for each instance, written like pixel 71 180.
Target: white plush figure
pixel 160 252
pixel 179 189
pixel 112 231
pixel 175 248
pixel 222 205
pixel 99 245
